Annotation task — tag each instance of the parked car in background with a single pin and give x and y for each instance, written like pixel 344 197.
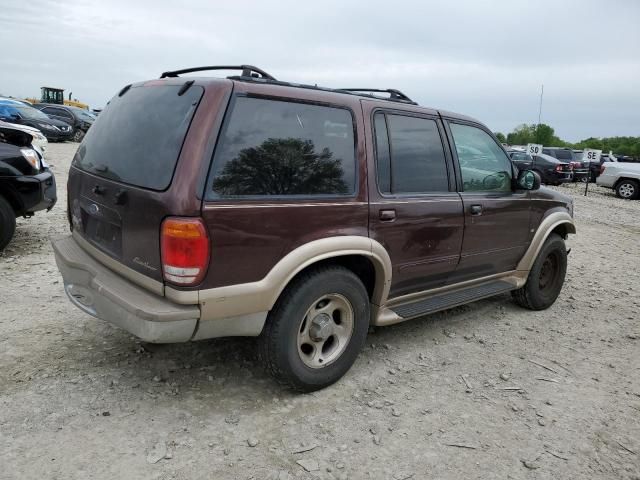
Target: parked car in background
pixel 551 170
pixel 79 119
pixel 169 240
pixel 12 111
pixel 622 177
pixel 39 142
pixel 26 183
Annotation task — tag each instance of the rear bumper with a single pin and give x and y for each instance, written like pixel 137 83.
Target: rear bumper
pixel 560 177
pixel 104 294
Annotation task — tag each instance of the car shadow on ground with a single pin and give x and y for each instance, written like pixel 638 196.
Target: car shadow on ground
pixel 93 350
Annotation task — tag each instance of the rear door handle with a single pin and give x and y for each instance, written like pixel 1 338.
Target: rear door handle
pixel 476 210
pixel 387 215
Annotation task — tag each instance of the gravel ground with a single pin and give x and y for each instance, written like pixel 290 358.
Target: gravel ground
pixel 487 390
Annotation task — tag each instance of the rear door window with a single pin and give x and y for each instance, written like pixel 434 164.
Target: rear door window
pixel 278 148
pixel 410 157
pixel 138 137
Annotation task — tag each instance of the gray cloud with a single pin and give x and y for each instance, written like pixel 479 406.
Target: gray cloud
pixel 482 58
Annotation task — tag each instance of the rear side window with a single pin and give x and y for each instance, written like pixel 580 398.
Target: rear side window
pixel 138 137
pixel 417 162
pixel 279 148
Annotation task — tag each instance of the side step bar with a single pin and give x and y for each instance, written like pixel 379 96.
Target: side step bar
pixel 452 299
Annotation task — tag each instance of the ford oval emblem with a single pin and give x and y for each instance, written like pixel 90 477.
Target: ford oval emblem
pixel 94 209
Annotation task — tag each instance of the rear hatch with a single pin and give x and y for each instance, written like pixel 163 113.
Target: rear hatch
pixel 120 183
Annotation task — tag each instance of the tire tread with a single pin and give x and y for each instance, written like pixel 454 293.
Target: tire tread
pixel 268 345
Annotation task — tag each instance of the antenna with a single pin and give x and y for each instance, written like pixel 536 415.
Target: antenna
pixel 540 108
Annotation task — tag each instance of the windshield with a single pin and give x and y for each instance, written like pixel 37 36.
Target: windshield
pixel 82 114
pixel 138 137
pixel 29 113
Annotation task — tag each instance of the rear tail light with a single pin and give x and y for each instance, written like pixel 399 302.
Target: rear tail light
pixel 184 245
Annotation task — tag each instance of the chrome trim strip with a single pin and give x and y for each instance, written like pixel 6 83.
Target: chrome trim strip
pixel 113 264
pixel 281 205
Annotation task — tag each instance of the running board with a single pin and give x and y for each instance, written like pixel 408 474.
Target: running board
pixel 449 300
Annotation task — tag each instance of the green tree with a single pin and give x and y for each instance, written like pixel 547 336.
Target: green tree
pixel 522 135
pixel 500 136
pixel 544 135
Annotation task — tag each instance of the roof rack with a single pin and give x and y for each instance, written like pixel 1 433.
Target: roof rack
pixel 247 71
pixel 255 74
pixel 394 94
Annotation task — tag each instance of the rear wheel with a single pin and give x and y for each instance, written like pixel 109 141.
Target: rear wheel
pixel 316 330
pixel 7 223
pixel 78 135
pixel 628 189
pixel 546 276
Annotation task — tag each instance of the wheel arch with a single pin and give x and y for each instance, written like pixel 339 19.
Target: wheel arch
pixel 367 258
pixel 559 222
pixel 622 179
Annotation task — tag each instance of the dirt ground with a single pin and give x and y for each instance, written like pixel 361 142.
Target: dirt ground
pixel 488 390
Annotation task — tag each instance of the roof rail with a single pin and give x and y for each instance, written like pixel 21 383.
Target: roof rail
pixel 393 93
pixel 247 71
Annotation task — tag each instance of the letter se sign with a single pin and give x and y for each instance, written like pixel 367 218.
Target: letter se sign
pixel 534 149
pixel 591 155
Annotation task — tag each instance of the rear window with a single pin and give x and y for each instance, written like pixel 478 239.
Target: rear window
pixel 279 148
pixel 138 137
pixel 564 154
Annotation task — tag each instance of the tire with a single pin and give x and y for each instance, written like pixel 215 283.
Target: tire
pixel 542 179
pixel 78 135
pixel 7 223
pixel 628 189
pixel 316 329
pixel 546 276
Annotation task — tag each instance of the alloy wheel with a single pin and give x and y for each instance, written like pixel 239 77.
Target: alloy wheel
pixel 325 330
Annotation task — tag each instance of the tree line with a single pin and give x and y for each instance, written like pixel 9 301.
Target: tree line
pixel 545 135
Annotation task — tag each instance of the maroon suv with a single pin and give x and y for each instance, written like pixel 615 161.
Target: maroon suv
pixel 247 206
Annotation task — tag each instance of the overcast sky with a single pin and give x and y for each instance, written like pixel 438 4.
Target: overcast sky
pixel 486 59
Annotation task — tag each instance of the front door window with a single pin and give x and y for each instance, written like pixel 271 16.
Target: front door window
pixel 483 164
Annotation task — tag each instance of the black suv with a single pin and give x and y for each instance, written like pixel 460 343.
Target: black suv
pixel 551 170
pixel 26 183
pixel 79 119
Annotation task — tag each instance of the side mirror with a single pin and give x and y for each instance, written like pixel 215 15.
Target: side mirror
pixel 528 180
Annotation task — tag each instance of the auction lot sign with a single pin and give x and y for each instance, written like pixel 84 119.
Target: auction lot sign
pixel 534 149
pixel 590 155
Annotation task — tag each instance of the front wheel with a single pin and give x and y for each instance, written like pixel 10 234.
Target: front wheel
pixel 546 276
pixel 628 189
pixel 316 330
pixel 7 223
pixel 78 135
